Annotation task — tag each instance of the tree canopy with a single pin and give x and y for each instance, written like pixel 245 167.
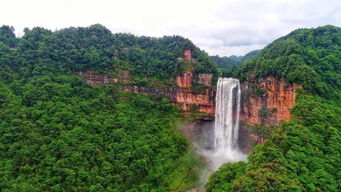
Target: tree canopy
pixel 310 57
pixel 59 134
pixel 95 48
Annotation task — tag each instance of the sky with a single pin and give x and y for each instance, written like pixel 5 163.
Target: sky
pixel 220 27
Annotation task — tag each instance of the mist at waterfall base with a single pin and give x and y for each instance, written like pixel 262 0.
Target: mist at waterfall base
pixel 218 144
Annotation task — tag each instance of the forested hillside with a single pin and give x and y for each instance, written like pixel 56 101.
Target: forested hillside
pixel 310 57
pixel 96 48
pixel 59 134
pixel 303 154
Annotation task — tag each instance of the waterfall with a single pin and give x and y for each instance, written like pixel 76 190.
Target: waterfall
pixel 226 125
pixel 218 143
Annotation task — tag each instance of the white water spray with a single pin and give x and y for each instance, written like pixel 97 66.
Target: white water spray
pixel 226 126
pixel 220 144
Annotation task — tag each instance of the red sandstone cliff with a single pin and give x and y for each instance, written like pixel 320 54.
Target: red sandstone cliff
pixel 267 101
pixel 203 102
pixel 184 80
pixel 270 105
pixel 264 101
pixel 182 95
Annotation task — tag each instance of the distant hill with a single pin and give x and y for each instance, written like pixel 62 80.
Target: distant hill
pixel 229 65
pixel 227 62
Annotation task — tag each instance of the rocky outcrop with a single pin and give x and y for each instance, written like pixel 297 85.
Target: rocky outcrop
pixel 202 102
pixel 187 57
pixel 184 80
pixel 247 139
pixel 267 101
pixel 205 79
pixel 94 79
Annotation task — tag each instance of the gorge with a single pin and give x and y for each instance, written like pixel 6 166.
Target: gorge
pixel 82 109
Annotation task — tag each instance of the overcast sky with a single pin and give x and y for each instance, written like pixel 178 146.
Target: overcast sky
pixel 223 27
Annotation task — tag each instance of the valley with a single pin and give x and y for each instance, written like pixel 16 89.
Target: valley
pixel 85 109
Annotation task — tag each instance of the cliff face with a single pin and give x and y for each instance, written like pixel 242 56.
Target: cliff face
pixel 267 101
pixel 184 80
pixel 264 101
pixel 94 79
pixel 204 102
pixel 181 94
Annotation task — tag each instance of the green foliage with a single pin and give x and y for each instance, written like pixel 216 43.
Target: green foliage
pixel 229 65
pixel 186 172
pixel 96 48
pixel 224 178
pixel 303 155
pixel 310 57
pixel 7 36
pixel 228 62
pixel 263 130
pixel 257 91
pixel 59 134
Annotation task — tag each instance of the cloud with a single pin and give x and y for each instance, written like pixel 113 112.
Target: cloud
pixel 223 27
pixel 248 24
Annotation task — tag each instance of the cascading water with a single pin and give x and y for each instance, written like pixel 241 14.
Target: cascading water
pixel 220 144
pixel 226 126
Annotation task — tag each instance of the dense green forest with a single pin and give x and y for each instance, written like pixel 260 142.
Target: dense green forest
pixel 303 154
pixel 59 134
pixel 96 48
